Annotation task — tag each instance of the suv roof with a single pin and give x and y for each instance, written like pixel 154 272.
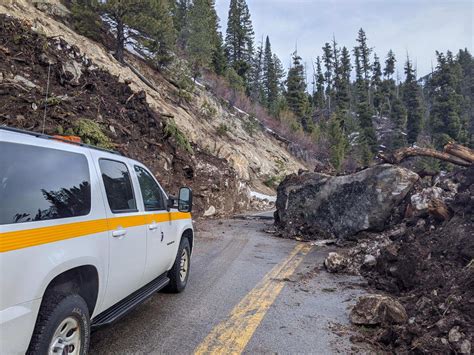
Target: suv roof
pixel 45 136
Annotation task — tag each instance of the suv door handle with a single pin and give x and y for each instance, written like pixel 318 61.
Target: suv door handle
pixel 119 233
pixel 153 226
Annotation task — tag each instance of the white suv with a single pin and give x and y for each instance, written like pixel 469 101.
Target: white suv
pixel 85 236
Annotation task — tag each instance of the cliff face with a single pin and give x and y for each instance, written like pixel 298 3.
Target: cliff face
pixel 225 160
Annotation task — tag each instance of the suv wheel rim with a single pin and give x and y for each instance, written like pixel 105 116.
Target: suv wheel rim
pixel 67 338
pixel 183 269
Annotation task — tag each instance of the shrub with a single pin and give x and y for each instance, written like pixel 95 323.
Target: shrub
pixel 90 133
pixel 222 129
pixel 208 111
pixel 251 125
pixel 172 130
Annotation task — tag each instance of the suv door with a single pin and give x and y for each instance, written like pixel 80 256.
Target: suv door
pixel 127 230
pixel 159 236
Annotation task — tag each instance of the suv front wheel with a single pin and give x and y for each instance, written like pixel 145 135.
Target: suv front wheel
pixel 62 327
pixel 179 273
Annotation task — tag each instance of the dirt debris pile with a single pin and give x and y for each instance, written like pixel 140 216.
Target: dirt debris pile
pixel 417 252
pixel 80 92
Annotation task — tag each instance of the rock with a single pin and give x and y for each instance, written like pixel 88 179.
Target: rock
pixel 44 59
pixel 454 335
pixel 369 260
pixel 322 206
pixel 24 81
pixel 465 347
pixel 52 7
pixel 421 200
pixel 211 211
pixel 71 72
pixel 376 310
pixel 335 262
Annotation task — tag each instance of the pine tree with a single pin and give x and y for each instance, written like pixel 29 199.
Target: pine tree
pixel 337 141
pixel 343 81
pixel 412 100
pixel 270 78
pixel 328 59
pixel 202 35
pixel 256 79
pixel 280 74
pixel 364 52
pixel 85 18
pixel 368 139
pixel 319 96
pixel 219 60
pixel 296 96
pixel 446 101
pixel 180 12
pixel 376 83
pixel 390 61
pixel 398 115
pixel 239 37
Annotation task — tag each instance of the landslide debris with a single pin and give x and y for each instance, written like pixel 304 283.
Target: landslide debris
pixel 318 206
pixel 79 92
pixel 416 252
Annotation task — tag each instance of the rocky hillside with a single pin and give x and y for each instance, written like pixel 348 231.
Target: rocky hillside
pixel 200 141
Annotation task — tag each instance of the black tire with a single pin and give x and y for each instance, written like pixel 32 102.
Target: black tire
pixel 55 309
pixel 177 284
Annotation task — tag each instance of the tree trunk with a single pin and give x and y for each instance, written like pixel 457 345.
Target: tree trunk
pixel 120 40
pixel 460 151
pixel 401 154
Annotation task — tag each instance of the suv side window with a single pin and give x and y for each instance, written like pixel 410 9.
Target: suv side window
pixel 151 192
pixel 38 184
pixel 118 186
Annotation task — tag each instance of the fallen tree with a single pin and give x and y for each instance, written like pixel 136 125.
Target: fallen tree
pixel 453 153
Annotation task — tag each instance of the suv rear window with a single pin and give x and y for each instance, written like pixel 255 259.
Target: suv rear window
pixel 118 186
pixel 38 184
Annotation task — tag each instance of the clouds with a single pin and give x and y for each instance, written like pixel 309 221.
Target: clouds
pixel 418 27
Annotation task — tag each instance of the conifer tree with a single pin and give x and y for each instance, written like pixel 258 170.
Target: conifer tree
pixel 296 96
pixel 180 12
pixel 256 79
pixel 280 73
pixel 368 139
pixel 328 58
pixel 153 24
pixel 337 141
pixel 446 101
pixel 376 83
pixel 219 60
pixel 364 53
pixel 412 100
pixel 239 37
pixel 319 96
pixel 343 81
pixel 390 61
pixel 270 77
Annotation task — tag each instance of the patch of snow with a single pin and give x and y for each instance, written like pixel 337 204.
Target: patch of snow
pixel 260 196
pixel 199 84
pixel 240 111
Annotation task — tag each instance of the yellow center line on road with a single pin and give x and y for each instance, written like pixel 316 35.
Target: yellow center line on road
pixel 232 335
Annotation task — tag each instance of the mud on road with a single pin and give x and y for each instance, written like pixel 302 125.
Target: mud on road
pixel 242 281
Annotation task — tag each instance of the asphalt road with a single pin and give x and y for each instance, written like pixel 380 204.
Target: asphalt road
pixel 248 292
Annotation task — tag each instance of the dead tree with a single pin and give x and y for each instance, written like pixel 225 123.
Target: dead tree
pixel 401 154
pixel 460 151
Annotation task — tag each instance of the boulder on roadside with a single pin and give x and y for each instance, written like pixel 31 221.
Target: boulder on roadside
pixel 319 206
pixel 335 262
pixel 376 310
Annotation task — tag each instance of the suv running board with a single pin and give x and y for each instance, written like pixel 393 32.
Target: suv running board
pixel 127 304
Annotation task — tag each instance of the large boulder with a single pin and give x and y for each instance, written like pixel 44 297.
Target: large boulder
pixel 378 309
pixel 314 205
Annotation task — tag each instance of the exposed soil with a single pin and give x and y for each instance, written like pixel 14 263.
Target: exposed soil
pixel 78 90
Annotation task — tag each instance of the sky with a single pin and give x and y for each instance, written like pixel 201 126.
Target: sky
pixel 416 27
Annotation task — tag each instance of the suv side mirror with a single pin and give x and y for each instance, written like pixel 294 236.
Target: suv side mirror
pixel 185 200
